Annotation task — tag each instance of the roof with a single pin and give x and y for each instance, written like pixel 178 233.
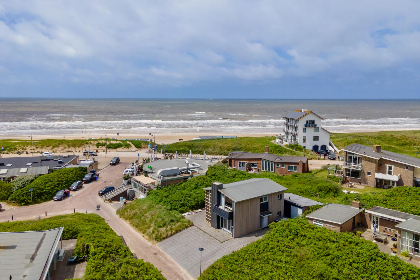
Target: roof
pixel 28 255
pixel 335 213
pixel 389 213
pixel 412 225
pixel 266 156
pixel 143 179
pixel 247 189
pixel 171 163
pixel 22 162
pixel 14 172
pixel 296 115
pixel 368 151
pixel 300 200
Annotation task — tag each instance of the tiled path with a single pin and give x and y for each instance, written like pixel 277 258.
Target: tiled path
pixel 183 246
pixel 199 220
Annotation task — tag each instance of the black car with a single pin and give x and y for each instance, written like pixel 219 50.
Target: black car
pixel 76 185
pixel 93 171
pixel 322 152
pixel 106 190
pixel 115 161
pixel 60 195
pixel 331 156
pixel 89 178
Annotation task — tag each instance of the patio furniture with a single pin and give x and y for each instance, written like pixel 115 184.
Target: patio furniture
pixel 380 237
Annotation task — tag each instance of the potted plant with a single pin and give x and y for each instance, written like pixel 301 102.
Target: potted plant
pixel 405 255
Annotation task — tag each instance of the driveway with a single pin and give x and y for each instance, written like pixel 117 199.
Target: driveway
pixel 183 247
pixel 85 200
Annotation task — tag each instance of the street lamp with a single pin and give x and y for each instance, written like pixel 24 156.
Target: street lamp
pixel 201 257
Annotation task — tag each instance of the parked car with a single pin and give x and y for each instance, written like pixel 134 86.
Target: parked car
pixel 89 178
pixel 115 161
pixel 60 195
pixel 0 207
pixel 76 185
pixel 128 171
pixel 331 156
pixel 93 171
pixel 106 190
pixel 47 154
pixel 90 153
pixel 322 152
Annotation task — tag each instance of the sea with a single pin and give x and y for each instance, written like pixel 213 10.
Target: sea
pixel 198 116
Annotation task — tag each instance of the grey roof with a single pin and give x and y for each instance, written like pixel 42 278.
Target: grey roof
pixel 295 115
pixel 335 213
pixel 28 255
pixel 21 162
pixel 267 156
pixel 368 151
pixel 412 225
pixel 14 172
pixel 389 213
pixel 171 163
pixel 247 189
pixel 300 200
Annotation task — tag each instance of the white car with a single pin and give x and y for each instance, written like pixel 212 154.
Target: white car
pixel 128 171
pixel 46 154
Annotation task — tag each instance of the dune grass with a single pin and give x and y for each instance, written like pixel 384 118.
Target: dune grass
pixel 403 142
pixel 225 146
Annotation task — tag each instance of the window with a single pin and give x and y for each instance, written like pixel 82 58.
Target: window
pixel 316 129
pixel 353 173
pixel 292 168
pixel 316 138
pixel 283 165
pixel 410 242
pixel 253 164
pixel 271 166
pixel 406 168
pixel 304 130
pixel 263 165
pixel 277 165
pixel 304 147
pixel 279 214
pixel 390 169
pixel 369 173
pixel 279 197
pixel 304 139
pixel 264 199
pixel 318 223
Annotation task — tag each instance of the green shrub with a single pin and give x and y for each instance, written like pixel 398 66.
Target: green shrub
pixel 140 144
pixel 44 187
pixel 107 256
pixel 334 178
pixel 6 190
pixel 23 181
pixel 312 209
pixel 295 249
pixel 358 233
pixel 405 254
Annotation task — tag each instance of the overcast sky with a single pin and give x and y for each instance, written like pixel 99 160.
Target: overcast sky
pixel 210 49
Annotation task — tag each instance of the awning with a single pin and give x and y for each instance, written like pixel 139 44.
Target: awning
pixel 382 176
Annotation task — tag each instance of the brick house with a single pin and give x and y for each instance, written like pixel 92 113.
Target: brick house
pixel 245 206
pixel 380 168
pixel 282 165
pixel 338 217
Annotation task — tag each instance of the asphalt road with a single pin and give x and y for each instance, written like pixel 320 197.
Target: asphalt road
pixel 86 200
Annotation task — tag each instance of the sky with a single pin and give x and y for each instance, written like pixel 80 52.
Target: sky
pixel 210 49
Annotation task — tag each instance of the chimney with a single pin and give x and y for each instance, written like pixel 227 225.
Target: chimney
pixel 267 149
pixel 377 148
pixel 355 204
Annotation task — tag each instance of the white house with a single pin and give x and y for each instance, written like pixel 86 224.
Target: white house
pixel 303 127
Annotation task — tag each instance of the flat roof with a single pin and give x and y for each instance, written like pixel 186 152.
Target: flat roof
pixel 267 156
pixel 171 163
pixel 247 189
pixel 21 162
pixel 143 179
pixel 27 255
pixel 300 200
pixel 412 225
pixel 368 151
pixel 389 213
pixel 335 213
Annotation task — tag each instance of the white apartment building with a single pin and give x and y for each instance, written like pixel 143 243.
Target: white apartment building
pixel 303 127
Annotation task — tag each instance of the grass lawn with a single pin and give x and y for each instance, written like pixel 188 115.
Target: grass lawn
pixel 403 142
pixel 225 146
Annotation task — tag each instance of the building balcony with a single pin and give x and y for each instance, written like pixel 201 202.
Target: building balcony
pixel 224 212
pixel 351 165
pixel 310 125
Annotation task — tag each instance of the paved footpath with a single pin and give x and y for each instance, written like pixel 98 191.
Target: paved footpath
pixel 86 199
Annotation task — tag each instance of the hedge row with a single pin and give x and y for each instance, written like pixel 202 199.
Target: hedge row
pixel 44 187
pixel 107 256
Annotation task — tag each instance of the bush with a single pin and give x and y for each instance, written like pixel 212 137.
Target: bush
pixel 107 256
pixel 334 178
pixel 44 187
pixel 6 190
pixel 23 181
pixel 405 254
pixel 312 209
pixel 295 249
